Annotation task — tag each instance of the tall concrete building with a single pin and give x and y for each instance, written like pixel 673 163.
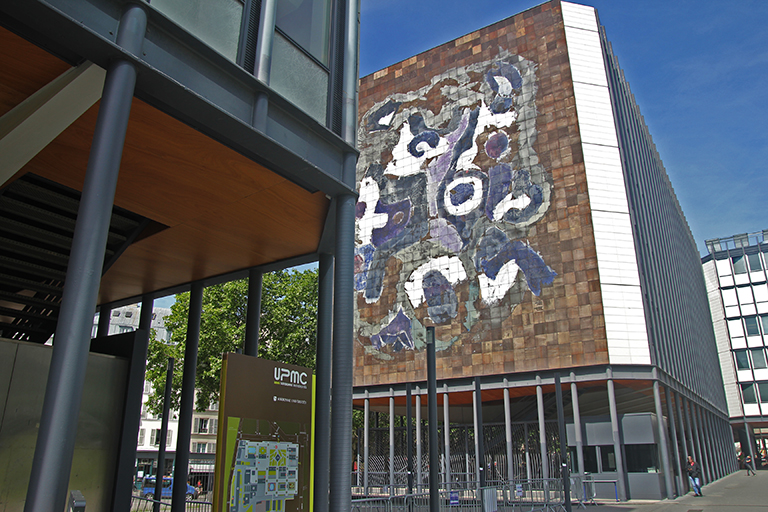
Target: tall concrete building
pixel 511 197
pixel 735 272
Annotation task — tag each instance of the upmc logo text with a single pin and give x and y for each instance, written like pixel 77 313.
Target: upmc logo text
pixel 292 376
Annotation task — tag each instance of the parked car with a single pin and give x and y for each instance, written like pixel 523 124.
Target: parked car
pixel 148 489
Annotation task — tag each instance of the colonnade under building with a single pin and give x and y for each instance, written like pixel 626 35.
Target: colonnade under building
pixel 613 432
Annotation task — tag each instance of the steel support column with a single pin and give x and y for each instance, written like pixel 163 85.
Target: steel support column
pixel 434 484
pixel 542 429
pixel 419 476
pixel 52 462
pixel 391 442
pixel 479 436
pixel 508 431
pixel 683 437
pixel 695 448
pixel 366 442
pixel 577 424
pixel 675 442
pixel 105 314
pixel 748 431
pixel 705 443
pixel 622 474
pixel 528 474
pixel 343 306
pixel 161 449
pixel 322 445
pixel 663 447
pixel 447 436
pixel 187 406
pixel 409 436
pixel 253 314
pixel 696 437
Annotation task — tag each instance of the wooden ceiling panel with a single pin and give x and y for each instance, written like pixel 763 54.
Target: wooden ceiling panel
pixel 35 66
pixel 225 212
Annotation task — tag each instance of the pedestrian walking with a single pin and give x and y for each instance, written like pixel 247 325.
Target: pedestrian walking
pixel 749 466
pixel 694 475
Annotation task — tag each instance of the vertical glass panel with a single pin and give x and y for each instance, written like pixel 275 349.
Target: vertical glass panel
pixel 758 359
pixel 590 459
pixel 754 262
pixel 742 360
pixel 750 322
pixel 763 387
pixel 215 22
pixel 299 79
pixel 748 393
pixel 308 23
pixel 739 265
pixel 764 321
pixel 607 458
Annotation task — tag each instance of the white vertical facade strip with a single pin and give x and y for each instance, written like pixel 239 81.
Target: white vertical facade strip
pixel 724 353
pixel 625 326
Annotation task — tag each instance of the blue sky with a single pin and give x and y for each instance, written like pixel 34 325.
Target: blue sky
pixel 698 70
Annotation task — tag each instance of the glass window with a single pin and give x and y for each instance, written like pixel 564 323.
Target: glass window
pixel 642 458
pixel 142 432
pixel 742 360
pixel 764 321
pixel 739 265
pixel 607 458
pixel 748 393
pixel 758 359
pixel 750 322
pixel 308 24
pixel 590 459
pixel 754 262
pixel 763 388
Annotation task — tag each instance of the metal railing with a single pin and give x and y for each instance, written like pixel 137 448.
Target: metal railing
pixel 141 504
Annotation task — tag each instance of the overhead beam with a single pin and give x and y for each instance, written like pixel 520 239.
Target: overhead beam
pixel 37 121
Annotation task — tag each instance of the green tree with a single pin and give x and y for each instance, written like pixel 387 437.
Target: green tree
pixel 288 328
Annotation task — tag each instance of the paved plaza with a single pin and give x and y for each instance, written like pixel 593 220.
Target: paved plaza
pixel 735 492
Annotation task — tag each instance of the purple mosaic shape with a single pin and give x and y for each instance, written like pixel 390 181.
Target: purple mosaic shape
pixel 360 208
pixel 496 145
pixel 442 303
pixel 445 234
pixel 363 257
pixel 502 103
pixel 397 333
pixel 463 223
pixel 504 180
pixel 442 164
pixel 398 216
pixel 495 250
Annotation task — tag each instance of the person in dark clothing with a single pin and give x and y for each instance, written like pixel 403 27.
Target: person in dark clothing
pixel 749 466
pixel 694 475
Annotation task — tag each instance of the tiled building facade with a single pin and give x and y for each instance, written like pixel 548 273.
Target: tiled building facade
pixel 512 198
pixel 735 272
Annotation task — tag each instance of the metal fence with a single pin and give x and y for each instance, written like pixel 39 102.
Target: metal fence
pixel 141 504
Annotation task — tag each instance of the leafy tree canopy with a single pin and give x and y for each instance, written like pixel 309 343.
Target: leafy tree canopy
pixel 288 334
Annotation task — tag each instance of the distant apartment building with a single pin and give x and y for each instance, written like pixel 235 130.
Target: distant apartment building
pixel 204 424
pixel 735 273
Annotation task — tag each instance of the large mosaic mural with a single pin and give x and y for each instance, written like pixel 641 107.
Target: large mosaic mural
pixel 449 187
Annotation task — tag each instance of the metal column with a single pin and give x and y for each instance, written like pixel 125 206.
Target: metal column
pixel 675 442
pixel 695 450
pixel 663 447
pixel 163 435
pixel 447 436
pixel 508 431
pixel 696 437
pixel 105 314
pixel 322 445
pixel 683 437
pixel 52 462
pixel 187 405
pixel 366 442
pixel 391 442
pixel 409 436
pixel 343 306
pixel 622 476
pixel 419 476
pixel 253 314
pixel 434 484
pixel 748 431
pixel 542 429
pixel 705 452
pixel 479 436
pixel 565 475
pixel 577 424
pixel 527 453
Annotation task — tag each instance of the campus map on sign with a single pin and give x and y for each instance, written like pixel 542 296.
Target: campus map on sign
pixel 264 471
